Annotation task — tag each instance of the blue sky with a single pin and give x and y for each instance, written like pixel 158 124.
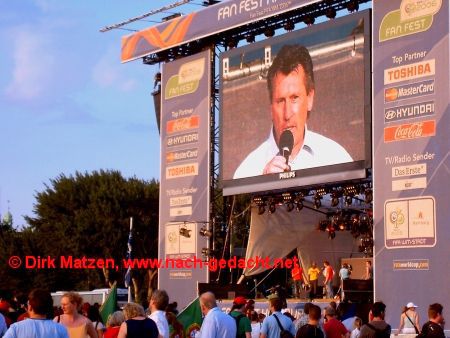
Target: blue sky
pixel 66 102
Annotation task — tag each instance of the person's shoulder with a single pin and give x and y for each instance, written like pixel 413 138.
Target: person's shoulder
pixel 320 143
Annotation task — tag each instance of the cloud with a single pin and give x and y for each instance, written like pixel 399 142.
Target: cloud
pixel 33 64
pixel 109 72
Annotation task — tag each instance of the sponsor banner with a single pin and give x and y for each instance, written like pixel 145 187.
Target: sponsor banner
pixel 417 89
pixel 409 72
pixel 410 131
pixel 409 111
pixel 411 128
pixel 185 170
pixel 208 21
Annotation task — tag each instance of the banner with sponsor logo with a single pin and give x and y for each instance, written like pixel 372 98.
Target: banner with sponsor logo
pixel 411 153
pixel 184 188
pixel 208 21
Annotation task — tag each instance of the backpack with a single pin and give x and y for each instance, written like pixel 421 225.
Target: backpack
pixel 238 319
pixel 385 333
pixel 284 333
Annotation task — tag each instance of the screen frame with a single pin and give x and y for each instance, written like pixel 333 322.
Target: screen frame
pixel 316 175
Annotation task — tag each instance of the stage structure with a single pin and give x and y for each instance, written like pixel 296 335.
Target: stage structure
pixel 410 127
pixel 176 44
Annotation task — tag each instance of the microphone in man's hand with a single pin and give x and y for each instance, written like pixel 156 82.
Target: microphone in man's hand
pixel 286 144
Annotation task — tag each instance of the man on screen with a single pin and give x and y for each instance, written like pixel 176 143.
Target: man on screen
pixel 290 145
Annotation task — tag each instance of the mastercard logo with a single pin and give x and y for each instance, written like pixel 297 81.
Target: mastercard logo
pixel 390 94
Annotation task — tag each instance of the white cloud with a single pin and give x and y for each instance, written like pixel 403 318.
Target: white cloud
pixel 109 72
pixel 33 63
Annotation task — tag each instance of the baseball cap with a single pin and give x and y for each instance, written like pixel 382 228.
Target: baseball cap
pixel 411 304
pixel 240 300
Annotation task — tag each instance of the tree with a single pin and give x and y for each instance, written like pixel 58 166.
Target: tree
pixel 87 215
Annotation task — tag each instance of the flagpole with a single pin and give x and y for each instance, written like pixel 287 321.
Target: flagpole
pixel 129 256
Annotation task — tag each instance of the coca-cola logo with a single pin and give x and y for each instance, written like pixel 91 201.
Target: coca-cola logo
pixel 409 131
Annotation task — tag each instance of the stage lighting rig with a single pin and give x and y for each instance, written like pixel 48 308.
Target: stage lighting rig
pixel 317 201
pixel 289 26
pixel 261 209
pixel 309 20
pixel 269 32
pixel 330 13
pixel 272 207
pixel 353 6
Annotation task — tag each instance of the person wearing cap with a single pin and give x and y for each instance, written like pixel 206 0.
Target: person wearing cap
pixel 270 327
pixel 409 319
pixel 216 324
pixel 243 325
pixel 333 327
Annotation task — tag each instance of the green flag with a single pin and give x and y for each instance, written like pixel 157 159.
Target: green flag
pixel 109 306
pixel 191 318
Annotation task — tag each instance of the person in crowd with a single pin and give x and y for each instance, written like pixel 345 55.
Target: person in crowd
pixel 290 82
pixel 357 328
pixel 328 273
pixel 216 324
pixel 85 309
pixel 261 317
pixel 3 326
pixel 4 311
pixel 178 330
pixel 158 303
pixel 312 328
pixel 409 319
pixel 113 324
pixel 249 308
pixel 77 325
pixel 273 324
pixel 332 326
pixel 38 325
pixel 313 276
pixel 96 319
pixel 304 318
pixel 136 324
pixel 243 324
pixel 434 328
pixel 172 307
pixel 369 270
pixel 376 327
pixel 255 324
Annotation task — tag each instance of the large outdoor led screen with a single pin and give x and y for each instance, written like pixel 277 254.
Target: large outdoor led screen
pixel 314 126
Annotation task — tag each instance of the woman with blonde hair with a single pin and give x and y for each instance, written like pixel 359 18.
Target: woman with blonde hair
pixel 409 320
pixel 77 325
pixel 136 324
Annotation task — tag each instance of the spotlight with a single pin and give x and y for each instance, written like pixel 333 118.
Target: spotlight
pixel 353 6
pixel 348 200
pixel 299 205
pixel 309 20
pixel 331 234
pixel 334 200
pixel 286 196
pixel 185 232
pixel 232 43
pixel 269 32
pixel 272 208
pixel 250 38
pixel 317 202
pixel 323 225
pixel 289 206
pixel 330 13
pixel 289 26
pixel 261 209
pixel 205 232
pixel 368 196
pixel 207 252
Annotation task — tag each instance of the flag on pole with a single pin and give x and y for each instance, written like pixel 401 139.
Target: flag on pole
pixel 129 254
pixel 191 318
pixel 109 306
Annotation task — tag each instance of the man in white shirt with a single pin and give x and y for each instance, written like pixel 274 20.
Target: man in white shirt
pixel 216 323
pixel 291 146
pixel 158 303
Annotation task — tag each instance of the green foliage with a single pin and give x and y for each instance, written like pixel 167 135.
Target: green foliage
pixel 88 215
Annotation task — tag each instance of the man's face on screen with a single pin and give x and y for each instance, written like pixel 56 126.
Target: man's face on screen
pixel 290 105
